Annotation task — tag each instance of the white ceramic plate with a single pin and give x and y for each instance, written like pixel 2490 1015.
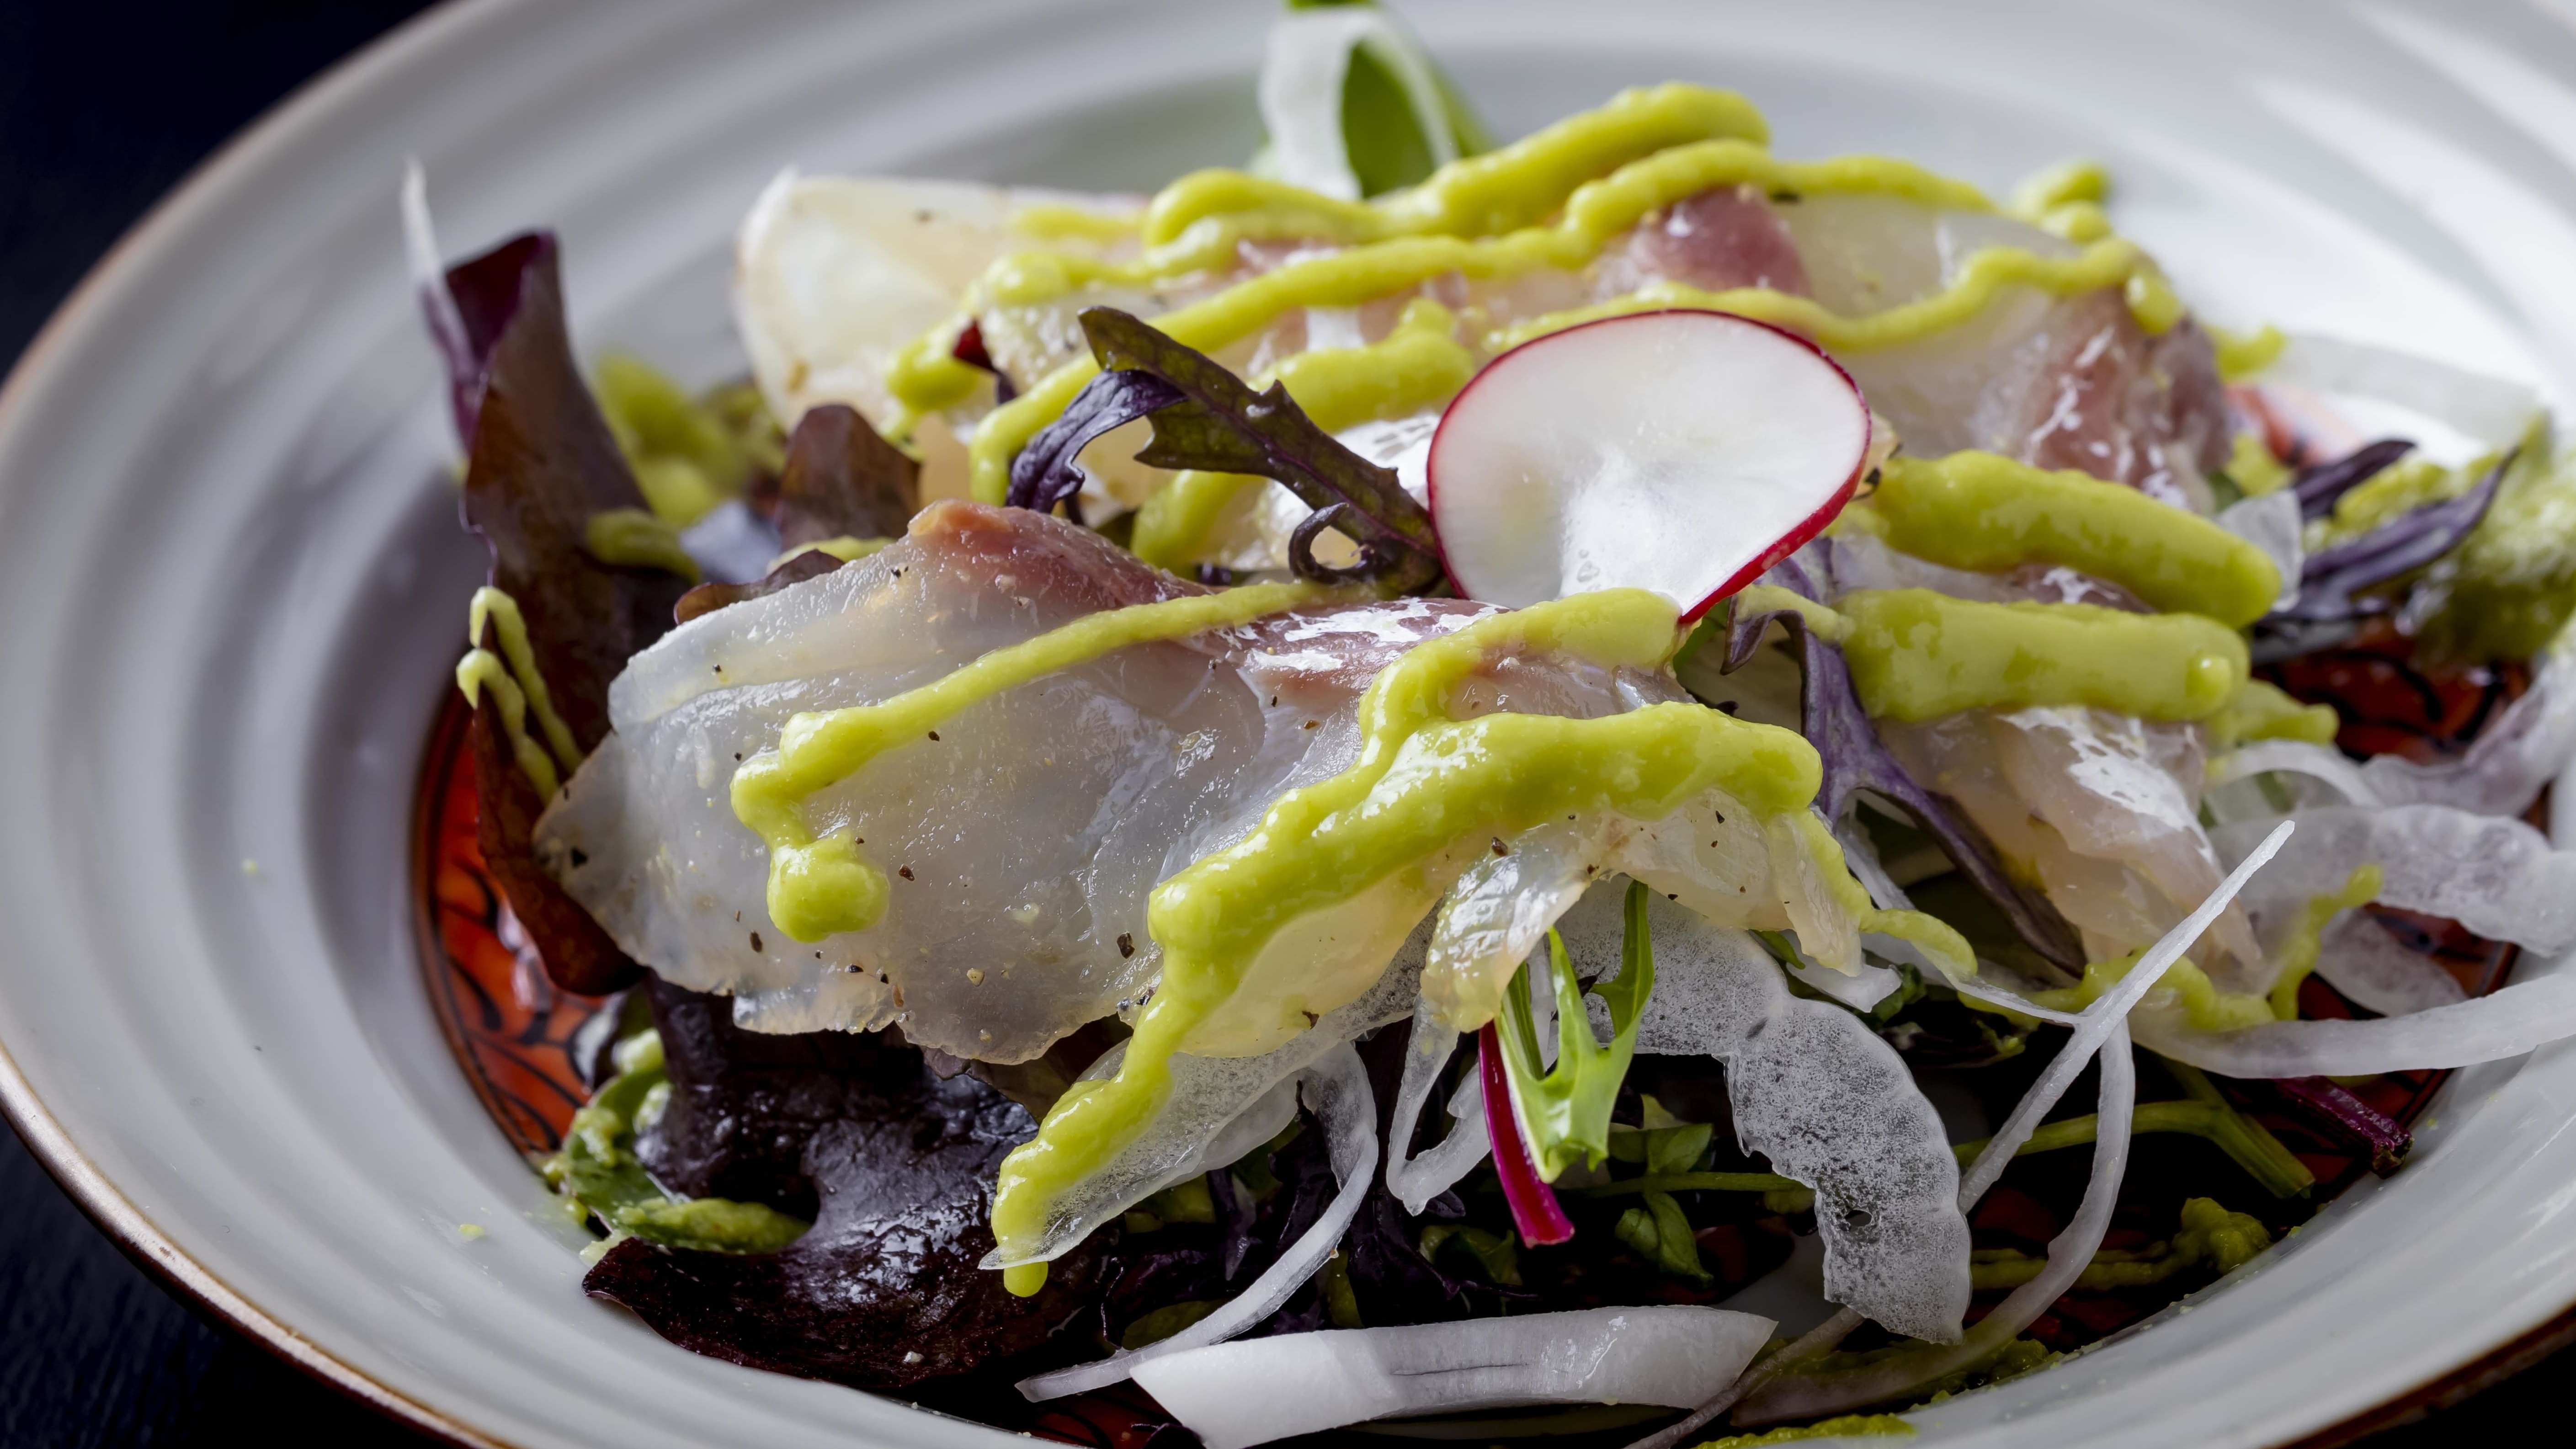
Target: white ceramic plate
pixel 232 583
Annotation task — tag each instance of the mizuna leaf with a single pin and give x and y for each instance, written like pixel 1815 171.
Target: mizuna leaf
pixel 1205 417
pixel 1047 471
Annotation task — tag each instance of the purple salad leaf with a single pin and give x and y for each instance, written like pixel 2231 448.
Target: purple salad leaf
pixel 1047 473
pixel 1205 417
pixel 2320 486
pixel 1847 744
pixel 841 480
pixel 540 462
pixel 470 307
pixel 2331 602
pixel 898 1165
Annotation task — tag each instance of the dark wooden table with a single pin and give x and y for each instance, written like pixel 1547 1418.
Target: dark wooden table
pixel 105 105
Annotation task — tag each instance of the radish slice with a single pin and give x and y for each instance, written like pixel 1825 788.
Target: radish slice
pixel 1683 452
pixel 1262 1389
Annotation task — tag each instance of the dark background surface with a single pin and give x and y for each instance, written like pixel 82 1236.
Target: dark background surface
pixel 105 105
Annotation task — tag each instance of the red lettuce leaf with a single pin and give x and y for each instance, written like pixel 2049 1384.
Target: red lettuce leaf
pixel 843 480
pixel 1847 744
pixel 539 462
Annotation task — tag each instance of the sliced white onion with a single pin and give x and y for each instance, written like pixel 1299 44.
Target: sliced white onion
pixel 2491 410
pixel 1302 74
pixel 2357 956
pixel 428 268
pixel 1218 1109
pixel 1260 1389
pixel 2105 1019
pixel 1336 1088
pixel 2496 876
pixel 2296 757
pixel 1418 1178
pixel 2522 1016
pixel 2505 767
pixel 2272 524
pixel 1800 1396
pixel 1822 1096
pixel 2500 774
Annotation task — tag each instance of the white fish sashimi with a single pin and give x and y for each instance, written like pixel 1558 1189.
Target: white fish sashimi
pixel 1218 1109
pixel 1816 1091
pixel 836 275
pixel 1025 835
pixel 1257 1390
pixel 1336 1088
pixel 1022 840
pixel 2061 382
pixel 2101 808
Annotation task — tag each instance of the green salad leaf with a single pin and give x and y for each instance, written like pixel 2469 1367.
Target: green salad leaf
pixel 1566 1109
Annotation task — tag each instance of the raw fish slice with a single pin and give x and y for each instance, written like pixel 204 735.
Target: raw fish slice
pixel 1218 1109
pixel 1024 839
pixel 1817 1092
pixel 835 275
pixel 1720 239
pixel 2099 807
pixel 1713 856
pixel 2061 382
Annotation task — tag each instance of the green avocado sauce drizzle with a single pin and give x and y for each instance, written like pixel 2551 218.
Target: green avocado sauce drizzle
pixel 1551 200
pixel 517 686
pixel 600 1176
pixel 1980 511
pixel 1917 655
